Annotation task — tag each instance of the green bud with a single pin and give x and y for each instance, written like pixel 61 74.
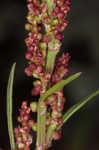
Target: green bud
pixel 33 106
pixel 54 22
pixel 30 18
pixel 37 82
pixel 39 36
pixel 37 18
pixel 43 45
pixel 21 145
pixel 45 15
pixel 34 127
pixel 56 115
pixel 34 28
pixel 35 74
pixel 53 126
pixel 28 27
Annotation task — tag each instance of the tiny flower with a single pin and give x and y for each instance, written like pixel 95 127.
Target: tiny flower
pixel 28 27
pixel 18 139
pixel 48 76
pixel 32 67
pixel 29 1
pixel 30 7
pixel 28 72
pixel 29 141
pixel 34 127
pixel 33 106
pixel 43 8
pixel 26 129
pixel 30 48
pixel 54 114
pixel 54 123
pixel 36 90
pixel 56 9
pixel 39 36
pixel 36 41
pixel 39 69
pixel 28 55
pixel 25 117
pixel 58 26
pixel 57 135
pixel 46 39
pixel 53 14
pixel 21 145
pixel 54 21
pixel 46 20
pixel 31 123
pixel 16 130
pixel 43 45
pixel 24 105
pixel 59 36
pixel 68 9
pixel 61 15
pixel 37 11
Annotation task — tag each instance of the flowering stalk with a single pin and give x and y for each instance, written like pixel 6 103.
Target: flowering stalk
pixel 46 22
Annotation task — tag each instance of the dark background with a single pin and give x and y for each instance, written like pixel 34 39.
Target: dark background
pixel 82 42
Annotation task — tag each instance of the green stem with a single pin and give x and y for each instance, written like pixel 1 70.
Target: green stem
pixel 41 127
pixel 50 6
pixel 50 61
pixel 41 112
pixel 49 134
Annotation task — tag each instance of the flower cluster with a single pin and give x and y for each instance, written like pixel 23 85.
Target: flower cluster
pixel 46 22
pixel 56 100
pixel 61 69
pixel 22 133
pixel 45 34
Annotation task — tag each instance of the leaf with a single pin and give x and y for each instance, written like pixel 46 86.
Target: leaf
pixel 77 106
pixel 59 85
pixel 9 107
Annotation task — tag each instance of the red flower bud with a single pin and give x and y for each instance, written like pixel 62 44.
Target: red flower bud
pixel 37 11
pixel 39 69
pixel 59 36
pixel 28 55
pixel 56 9
pixel 57 135
pixel 32 67
pixel 28 72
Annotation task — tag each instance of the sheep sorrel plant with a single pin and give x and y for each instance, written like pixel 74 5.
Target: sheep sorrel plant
pixel 46 22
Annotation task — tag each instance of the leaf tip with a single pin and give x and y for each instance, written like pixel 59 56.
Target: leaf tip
pixel 79 73
pixel 14 63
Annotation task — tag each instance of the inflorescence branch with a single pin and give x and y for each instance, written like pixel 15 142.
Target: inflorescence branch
pixel 46 22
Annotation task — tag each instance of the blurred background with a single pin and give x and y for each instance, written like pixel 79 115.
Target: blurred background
pixel 82 42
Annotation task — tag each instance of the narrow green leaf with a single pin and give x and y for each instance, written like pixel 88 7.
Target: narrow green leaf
pixel 9 107
pixel 59 85
pixel 77 106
